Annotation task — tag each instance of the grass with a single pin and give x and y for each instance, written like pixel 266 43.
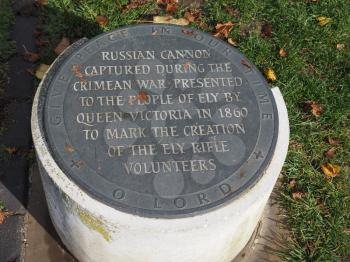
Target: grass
pixel 313 70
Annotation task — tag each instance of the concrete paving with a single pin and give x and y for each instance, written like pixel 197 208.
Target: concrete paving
pixel 15 106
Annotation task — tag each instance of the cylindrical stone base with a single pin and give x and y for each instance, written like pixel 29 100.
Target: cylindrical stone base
pixel 94 231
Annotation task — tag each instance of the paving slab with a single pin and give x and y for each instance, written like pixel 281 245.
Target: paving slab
pixel 43 243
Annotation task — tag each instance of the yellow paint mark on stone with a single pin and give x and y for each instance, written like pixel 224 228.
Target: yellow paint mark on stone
pixel 93 223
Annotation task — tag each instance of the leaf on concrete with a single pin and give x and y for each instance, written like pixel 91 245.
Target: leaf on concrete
pixel 223 30
pixel 31 57
pixel 10 150
pixel 41 71
pixel 101 20
pixel 62 45
pixel 4 215
pixel 270 74
pixel 330 170
pixel 323 20
pixel 168 19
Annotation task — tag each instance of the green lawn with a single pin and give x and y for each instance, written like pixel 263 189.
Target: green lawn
pixel 313 70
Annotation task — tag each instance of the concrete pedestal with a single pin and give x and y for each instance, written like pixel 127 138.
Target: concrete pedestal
pixel 93 231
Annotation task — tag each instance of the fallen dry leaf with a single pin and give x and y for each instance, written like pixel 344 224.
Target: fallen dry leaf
pixel 323 20
pixel 171 8
pixel 266 30
pixel 233 42
pixel 4 215
pixel 42 2
pixel 330 153
pixel 297 195
pixel 142 96
pixel 270 74
pixel 315 108
pixel 135 4
pixel 168 19
pixel 62 45
pixel 223 30
pixel 42 42
pixel 282 52
pixel 347 231
pixel 340 46
pixel 190 16
pixel 292 183
pixel 31 57
pixel 246 64
pixel 68 148
pixel 333 141
pixel 233 11
pixel 10 150
pixel 330 170
pixel 41 70
pixel 101 20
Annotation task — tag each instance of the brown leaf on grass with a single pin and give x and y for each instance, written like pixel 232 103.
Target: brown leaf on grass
pixel 31 57
pixel 190 16
pixel 101 20
pixel 347 231
pixel 41 71
pixel 165 2
pixel 135 4
pixel 282 52
pixel 171 8
pixel 330 170
pixel 292 183
pixel 330 153
pixel 10 150
pixel 270 74
pixel 232 42
pixel 223 30
pixel 170 20
pixel 340 46
pixel 333 141
pixel 315 108
pixel 233 11
pixel 62 45
pixel 297 195
pixel 266 30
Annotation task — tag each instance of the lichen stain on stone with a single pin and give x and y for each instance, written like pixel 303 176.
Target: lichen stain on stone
pixel 93 223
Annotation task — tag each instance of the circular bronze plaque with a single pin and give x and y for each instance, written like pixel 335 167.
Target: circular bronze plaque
pixel 159 120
